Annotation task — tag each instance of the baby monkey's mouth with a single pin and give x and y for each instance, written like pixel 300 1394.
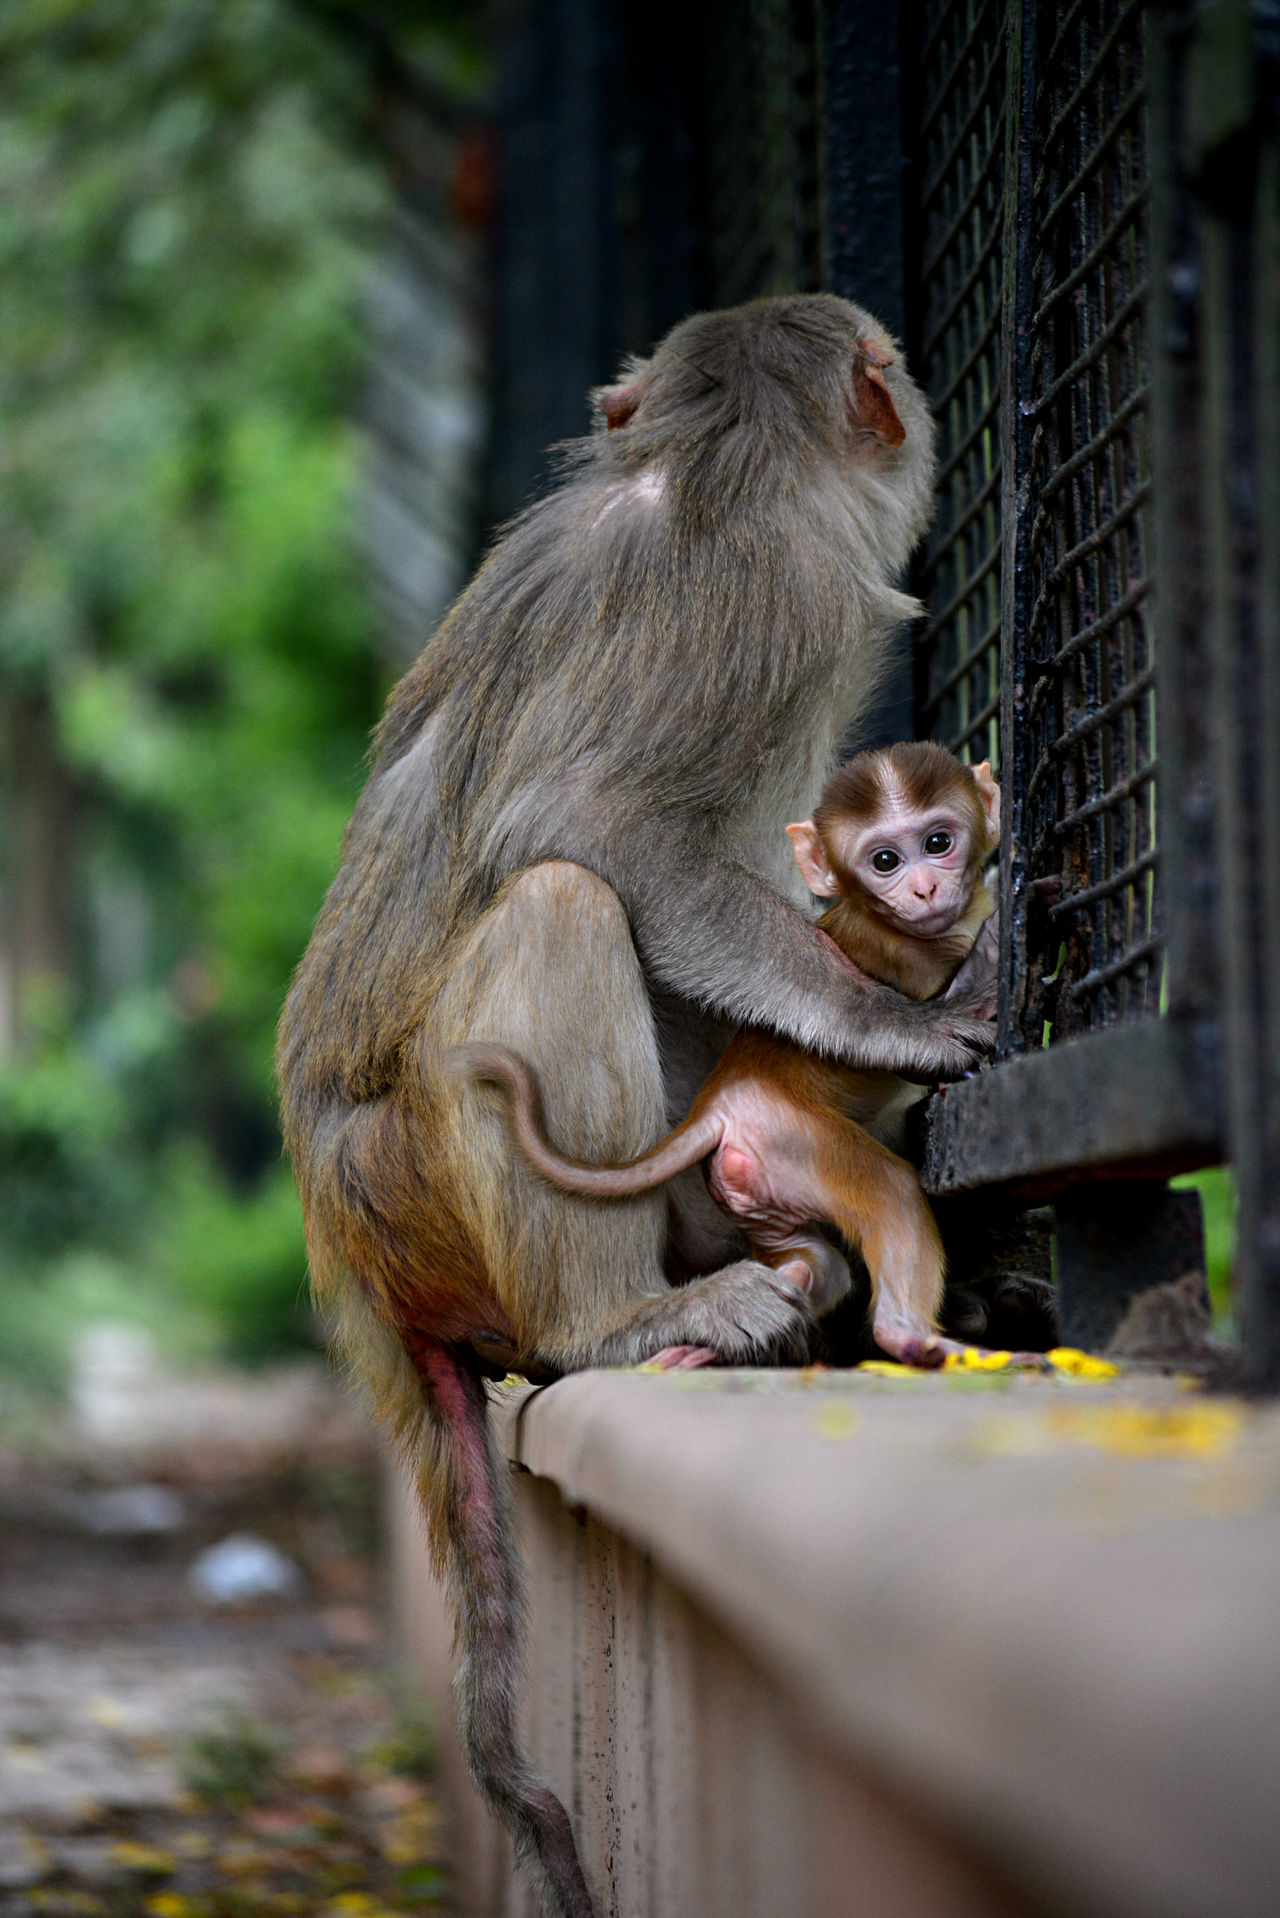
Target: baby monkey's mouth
pixel 931 925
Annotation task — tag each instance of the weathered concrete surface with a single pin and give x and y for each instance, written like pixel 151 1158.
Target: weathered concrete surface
pixel 839 1643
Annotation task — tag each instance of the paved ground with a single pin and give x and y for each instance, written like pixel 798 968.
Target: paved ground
pixel 171 1758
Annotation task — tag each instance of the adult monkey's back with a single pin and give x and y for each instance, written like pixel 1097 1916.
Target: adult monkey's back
pixel 571 844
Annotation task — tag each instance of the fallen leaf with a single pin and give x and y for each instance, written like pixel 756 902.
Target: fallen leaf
pixel 193 1843
pixel 286 1825
pixel 423 1882
pixel 239 1860
pixel 129 1855
pixel 357 1904
pixel 413 1834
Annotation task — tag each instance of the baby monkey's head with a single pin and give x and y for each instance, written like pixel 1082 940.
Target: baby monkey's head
pixel 905 830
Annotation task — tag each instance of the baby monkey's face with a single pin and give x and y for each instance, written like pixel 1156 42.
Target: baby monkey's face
pixel 904 832
pixel 916 870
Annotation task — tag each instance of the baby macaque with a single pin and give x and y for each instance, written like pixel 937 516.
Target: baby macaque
pixel 790 1141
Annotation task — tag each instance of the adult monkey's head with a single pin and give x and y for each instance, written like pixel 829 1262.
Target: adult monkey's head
pixel 738 403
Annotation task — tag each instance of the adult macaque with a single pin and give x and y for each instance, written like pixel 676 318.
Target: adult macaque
pixel 568 845
pixel 786 1139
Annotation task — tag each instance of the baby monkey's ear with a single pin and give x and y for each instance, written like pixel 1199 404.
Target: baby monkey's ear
pixel 988 799
pixel 811 857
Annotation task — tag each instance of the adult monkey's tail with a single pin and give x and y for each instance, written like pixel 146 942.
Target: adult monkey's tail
pixel 464 1493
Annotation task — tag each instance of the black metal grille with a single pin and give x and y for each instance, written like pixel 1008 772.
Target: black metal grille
pixel 1086 747
pixel 763 222
pixel 1089 805
pixel 962 139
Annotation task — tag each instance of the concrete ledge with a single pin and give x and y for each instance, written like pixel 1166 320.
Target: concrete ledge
pixel 1025 1632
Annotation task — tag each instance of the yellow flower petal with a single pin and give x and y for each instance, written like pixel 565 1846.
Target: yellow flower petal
pixel 1080 1365
pixel 974 1359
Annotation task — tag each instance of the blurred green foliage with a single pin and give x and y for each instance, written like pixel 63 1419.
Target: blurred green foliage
pixel 188 206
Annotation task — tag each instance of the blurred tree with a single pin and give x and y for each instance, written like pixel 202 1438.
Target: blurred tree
pixel 191 194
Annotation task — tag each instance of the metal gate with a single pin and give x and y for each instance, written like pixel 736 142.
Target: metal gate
pixel 1066 253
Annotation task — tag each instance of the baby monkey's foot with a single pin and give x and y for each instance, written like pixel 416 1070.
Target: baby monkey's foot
pixel 931 1352
pixel 680 1358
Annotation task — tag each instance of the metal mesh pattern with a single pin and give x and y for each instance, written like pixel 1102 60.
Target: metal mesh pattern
pixel 763 142
pixel 1089 820
pixel 961 136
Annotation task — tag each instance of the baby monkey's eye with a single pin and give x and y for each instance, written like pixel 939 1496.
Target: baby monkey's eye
pixel 885 861
pixel 936 843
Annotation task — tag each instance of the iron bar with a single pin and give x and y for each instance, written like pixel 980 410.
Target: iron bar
pixel 1106 888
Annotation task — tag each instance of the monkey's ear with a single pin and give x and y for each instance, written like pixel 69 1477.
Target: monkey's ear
pixel 872 407
pixel 988 798
pixel 617 403
pixel 811 857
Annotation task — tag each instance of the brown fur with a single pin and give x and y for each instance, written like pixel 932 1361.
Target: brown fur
pixel 782 1134
pixel 567 845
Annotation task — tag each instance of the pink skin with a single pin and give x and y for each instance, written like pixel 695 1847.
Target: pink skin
pixel 925 891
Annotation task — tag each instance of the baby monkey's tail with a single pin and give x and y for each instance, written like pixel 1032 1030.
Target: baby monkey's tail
pixel 691 1140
